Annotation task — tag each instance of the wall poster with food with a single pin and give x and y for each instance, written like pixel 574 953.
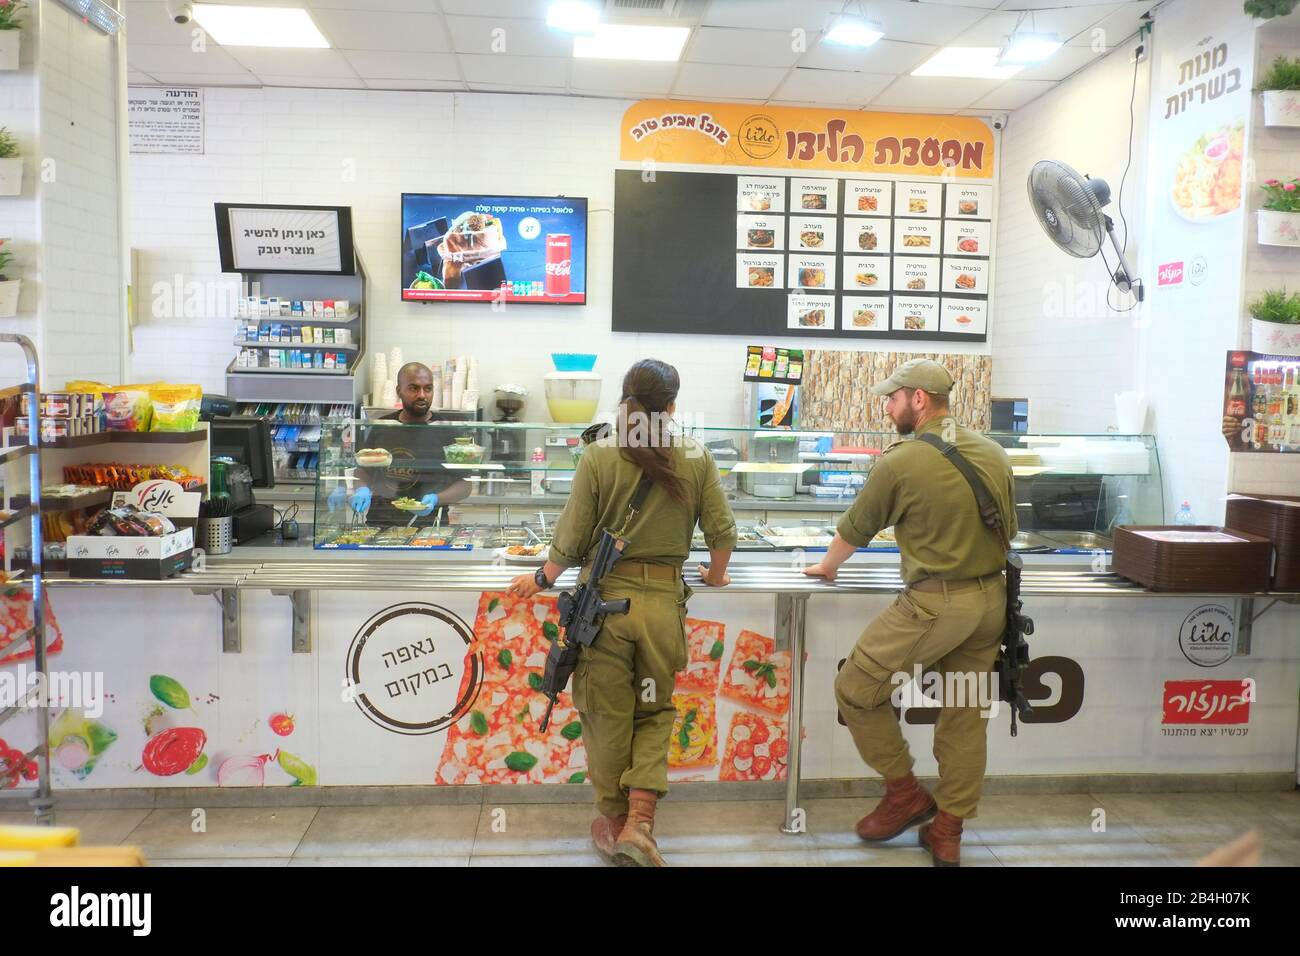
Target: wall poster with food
pixel 852 208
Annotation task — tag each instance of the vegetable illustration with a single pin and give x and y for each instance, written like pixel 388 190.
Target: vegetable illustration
pixel 173 750
pixel 169 691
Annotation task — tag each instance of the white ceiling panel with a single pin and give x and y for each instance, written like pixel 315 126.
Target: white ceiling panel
pixel 921 22
pixel 524 9
pixel 832 87
pixel 771 14
pixel 884 56
pixel 207 79
pixel 388 6
pixel 517 88
pixel 1040 4
pixel 993 29
pixel 388 64
pixel 738 47
pixel 1013 94
pixel 268 62
pixel 351 30
pixel 521 37
pixel 1115 28
pixel 428 85
pixel 136 78
pixel 529 71
pixel 934 92
pixel 621 78
pixel 314 82
pixel 154 58
pixel 147 22
pixel 1064 62
pixel 706 80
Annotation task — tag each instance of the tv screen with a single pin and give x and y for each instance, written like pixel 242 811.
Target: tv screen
pixel 530 249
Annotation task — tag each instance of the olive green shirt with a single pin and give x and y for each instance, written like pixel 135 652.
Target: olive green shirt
pixel 931 506
pixel 603 485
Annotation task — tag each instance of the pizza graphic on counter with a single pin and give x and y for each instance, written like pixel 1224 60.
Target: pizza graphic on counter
pixel 704 645
pixel 757 748
pixel 497 740
pixel 758 675
pixel 694 741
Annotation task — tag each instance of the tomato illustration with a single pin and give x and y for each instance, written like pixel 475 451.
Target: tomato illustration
pixel 173 750
pixel 281 724
pixel 762 765
pixel 779 749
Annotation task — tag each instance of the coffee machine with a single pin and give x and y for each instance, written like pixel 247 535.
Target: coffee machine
pixel 509 444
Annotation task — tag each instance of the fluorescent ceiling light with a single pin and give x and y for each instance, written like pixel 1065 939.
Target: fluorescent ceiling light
pixel 853 31
pixel 974 62
pixel 573 16
pixel 259 26
pixel 632 43
pixel 1029 48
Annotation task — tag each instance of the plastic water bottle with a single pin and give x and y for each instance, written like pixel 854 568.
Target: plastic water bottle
pixel 1184 515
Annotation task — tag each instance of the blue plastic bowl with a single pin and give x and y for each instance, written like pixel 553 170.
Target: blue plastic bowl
pixel 573 361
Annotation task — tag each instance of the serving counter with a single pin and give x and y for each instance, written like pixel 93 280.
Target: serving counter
pixel 285 665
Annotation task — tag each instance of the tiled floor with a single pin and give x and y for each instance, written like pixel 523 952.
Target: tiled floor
pixel 1059 830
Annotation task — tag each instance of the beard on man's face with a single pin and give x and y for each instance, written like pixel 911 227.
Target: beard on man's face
pixel 905 420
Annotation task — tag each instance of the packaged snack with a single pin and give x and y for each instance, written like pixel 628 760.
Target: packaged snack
pixel 176 407
pixel 127 410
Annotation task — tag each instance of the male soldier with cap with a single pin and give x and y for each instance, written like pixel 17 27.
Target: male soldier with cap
pixel 950 616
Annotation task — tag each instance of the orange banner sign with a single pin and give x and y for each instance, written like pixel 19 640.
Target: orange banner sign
pixel 784 137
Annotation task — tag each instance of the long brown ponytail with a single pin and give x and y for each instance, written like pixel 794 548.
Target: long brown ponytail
pixel 649 387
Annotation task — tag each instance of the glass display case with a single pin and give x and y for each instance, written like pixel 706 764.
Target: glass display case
pixel 501 487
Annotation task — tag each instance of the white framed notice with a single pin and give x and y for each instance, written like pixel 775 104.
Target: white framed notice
pixel 963 316
pixel 755 270
pixel 918 199
pixel 969 276
pixel 914 314
pixel 968 202
pixel 811 313
pixel 811 272
pixel 312 239
pixel 812 233
pixel 760 232
pixel 760 195
pixel 918 237
pixel 867 235
pixel 866 273
pixel 165 120
pixel 868 198
pixel 864 313
pixel 967 238
pixel 815 196
pixel 916 274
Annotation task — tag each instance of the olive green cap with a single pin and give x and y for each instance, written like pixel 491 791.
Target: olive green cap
pixel 925 374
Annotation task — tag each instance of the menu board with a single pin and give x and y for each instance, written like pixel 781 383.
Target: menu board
pixel 836 257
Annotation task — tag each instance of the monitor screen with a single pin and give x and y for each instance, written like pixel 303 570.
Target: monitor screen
pixel 527 249
pixel 247 440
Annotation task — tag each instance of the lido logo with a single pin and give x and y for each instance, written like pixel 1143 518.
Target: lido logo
pixel 758 136
pixel 133 910
pixel 1171 273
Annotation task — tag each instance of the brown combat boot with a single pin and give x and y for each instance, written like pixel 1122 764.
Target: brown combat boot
pixel 906 804
pixel 604 833
pixel 943 839
pixel 636 844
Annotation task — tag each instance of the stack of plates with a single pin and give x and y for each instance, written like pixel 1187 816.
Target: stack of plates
pixel 1024 456
pixel 1117 458
pixel 1277 518
pixel 1066 460
pixel 1200 558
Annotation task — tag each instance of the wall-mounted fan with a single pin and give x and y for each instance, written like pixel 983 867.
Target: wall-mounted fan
pixel 1069 208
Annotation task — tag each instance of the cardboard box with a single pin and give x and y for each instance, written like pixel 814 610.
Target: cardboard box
pixel 143 558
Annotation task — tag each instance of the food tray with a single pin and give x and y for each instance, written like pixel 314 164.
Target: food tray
pixel 1276 517
pixel 1202 558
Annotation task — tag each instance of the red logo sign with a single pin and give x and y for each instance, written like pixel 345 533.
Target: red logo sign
pixel 1171 273
pixel 1208 701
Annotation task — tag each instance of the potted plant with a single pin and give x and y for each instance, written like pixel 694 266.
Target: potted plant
pixel 1268 9
pixel 11 35
pixel 11 164
pixel 1275 323
pixel 1281 93
pixel 9 288
pixel 1279 217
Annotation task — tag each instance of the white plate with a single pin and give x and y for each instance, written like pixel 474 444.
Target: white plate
pixel 522 558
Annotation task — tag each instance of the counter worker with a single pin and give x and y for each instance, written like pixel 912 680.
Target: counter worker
pixel 623 684
pixel 950 616
pixel 415 471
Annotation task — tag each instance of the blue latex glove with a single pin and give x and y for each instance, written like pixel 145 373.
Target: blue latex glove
pixel 430 501
pixel 361 500
pixel 336 499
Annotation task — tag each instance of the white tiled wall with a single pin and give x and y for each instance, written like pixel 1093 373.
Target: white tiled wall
pixel 1057 344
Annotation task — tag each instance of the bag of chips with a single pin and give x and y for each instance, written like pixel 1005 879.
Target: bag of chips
pixel 127 409
pixel 176 407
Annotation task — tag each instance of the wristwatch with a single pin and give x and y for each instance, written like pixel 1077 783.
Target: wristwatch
pixel 540 577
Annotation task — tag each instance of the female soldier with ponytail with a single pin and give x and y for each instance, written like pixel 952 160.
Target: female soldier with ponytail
pixel 623 685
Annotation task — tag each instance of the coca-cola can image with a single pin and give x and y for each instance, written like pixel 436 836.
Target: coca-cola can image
pixel 559 263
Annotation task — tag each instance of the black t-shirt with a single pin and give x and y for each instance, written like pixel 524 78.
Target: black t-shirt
pixel 417 451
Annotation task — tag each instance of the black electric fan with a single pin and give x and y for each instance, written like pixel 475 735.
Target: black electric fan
pixel 1069 208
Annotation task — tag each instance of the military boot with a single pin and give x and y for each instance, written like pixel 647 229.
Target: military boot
pixel 604 833
pixel 943 839
pixel 906 804
pixel 636 844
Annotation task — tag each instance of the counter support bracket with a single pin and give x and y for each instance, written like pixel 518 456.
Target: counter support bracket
pixel 301 601
pixel 232 641
pixel 1244 611
pixel 791 618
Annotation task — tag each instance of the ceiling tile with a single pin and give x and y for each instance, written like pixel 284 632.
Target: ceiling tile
pixel 155 58
pixel 434 86
pixel 207 79
pixel 516 88
pixel 525 70
pixel 136 78
pixel 1063 63
pixel 1013 94
pixel 527 9
pixel 353 30
pixel 1112 30
pixel 314 82
pixel 936 110
pixel 266 62
pixel 388 64
pixel 705 80
pixel 147 22
pixel 738 47
pixel 590 76
pixel 522 37
pixel 993 29
pixel 771 14
pixel 393 6
pixel 934 92
pixel 832 86
pixel 985 4
pixel 1040 4
pixel 885 56
pixel 921 22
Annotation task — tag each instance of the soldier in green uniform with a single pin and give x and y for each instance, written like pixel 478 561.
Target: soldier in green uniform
pixel 950 616
pixel 623 685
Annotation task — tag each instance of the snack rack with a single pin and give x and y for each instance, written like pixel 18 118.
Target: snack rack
pixel 43 801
